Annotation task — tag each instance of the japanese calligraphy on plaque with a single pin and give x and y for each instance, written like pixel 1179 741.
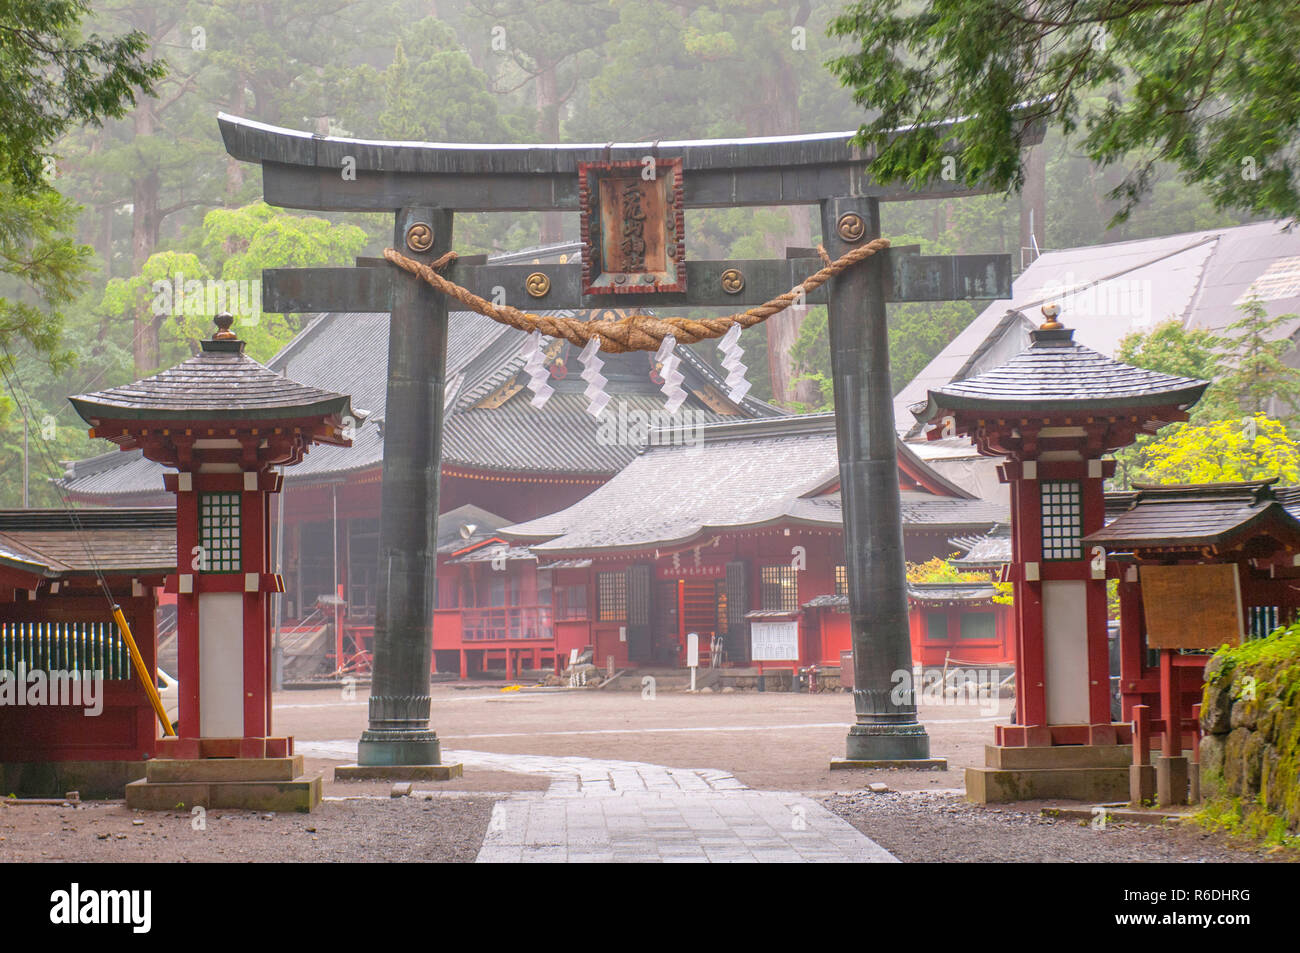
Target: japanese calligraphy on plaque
pixel 633 227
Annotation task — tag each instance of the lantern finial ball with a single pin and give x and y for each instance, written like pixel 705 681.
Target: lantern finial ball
pixel 1051 312
pixel 223 321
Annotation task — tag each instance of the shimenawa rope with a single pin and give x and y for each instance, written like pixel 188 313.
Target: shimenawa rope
pixel 637 332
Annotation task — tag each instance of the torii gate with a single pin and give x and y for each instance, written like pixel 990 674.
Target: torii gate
pixel 425 184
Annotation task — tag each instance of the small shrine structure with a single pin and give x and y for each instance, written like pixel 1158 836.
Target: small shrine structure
pixel 1054 411
pixel 224 421
pixel 1199 566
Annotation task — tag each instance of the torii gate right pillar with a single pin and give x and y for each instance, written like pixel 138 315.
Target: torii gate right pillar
pixel 886 727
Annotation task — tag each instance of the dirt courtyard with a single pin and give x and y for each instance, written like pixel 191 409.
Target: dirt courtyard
pixel 768 740
pixel 511 739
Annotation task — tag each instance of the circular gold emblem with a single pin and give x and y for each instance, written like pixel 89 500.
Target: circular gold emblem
pixel 733 281
pixel 537 284
pixel 852 227
pixel 419 237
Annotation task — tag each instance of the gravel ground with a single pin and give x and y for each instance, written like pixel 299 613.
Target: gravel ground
pixel 439 828
pixel 923 826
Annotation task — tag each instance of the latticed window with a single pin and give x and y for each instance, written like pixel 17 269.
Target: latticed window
pixel 219 532
pixel 611 592
pixel 978 625
pixel 936 626
pixel 780 590
pixel 841 580
pixel 1062 520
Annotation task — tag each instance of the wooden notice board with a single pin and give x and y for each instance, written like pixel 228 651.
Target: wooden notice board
pixel 1191 607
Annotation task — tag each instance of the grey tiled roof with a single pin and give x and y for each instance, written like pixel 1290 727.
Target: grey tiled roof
pixel 746 473
pixel 984 552
pixel 827 602
pixel 348 352
pixel 951 591
pixel 217 381
pixel 1194 515
pixel 1054 373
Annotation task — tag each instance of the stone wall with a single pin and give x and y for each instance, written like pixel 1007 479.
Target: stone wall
pixel 1250 716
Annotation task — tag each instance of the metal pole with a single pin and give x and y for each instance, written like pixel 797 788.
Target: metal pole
pixel 886 726
pixel 277 650
pixel 25 466
pixel 334 537
pixel 399 731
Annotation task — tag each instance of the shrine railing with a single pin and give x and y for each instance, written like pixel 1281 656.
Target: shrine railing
pixel 506 623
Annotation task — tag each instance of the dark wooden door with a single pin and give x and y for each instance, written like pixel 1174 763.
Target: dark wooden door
pixel 640 586
pixel 737 606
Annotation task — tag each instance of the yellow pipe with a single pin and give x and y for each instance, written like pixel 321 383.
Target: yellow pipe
pixel 150 688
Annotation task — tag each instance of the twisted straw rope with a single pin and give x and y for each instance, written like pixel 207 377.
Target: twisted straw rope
pixel 636 332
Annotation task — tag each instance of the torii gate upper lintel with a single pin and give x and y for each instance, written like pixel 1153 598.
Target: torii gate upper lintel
pixel 424 184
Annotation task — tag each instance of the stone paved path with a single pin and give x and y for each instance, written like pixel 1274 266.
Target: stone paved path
pixel 599 810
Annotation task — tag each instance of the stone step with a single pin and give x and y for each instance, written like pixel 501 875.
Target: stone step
pixel 172 770
pixel 995 786
pixel 301 794
pixel 1058 756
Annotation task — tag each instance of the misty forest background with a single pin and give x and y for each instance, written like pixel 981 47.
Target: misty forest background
pixel 153 194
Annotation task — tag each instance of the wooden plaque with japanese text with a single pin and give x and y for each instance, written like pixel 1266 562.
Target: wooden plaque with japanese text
pixel 633 226
pixel 1191 607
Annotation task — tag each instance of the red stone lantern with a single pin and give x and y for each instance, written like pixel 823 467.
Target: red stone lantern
pixel 1054 411
pixel 224 422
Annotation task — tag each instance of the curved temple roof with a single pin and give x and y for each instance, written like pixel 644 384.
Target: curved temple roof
pixel 1056 374
pixel 218 383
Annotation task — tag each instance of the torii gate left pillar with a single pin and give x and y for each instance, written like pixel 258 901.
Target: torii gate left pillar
pixel 425 182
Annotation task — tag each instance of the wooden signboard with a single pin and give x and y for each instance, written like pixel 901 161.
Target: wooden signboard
pixel 633 226
pixel 1191 607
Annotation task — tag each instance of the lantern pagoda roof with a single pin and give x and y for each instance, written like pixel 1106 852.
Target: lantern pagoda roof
pixel 220 383
pixel 1056 374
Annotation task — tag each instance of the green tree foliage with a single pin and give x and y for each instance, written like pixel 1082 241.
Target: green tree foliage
pixel 1210 87
pixel 56 78
pixel 1229 435
pixel 1255 448
pixel 181 292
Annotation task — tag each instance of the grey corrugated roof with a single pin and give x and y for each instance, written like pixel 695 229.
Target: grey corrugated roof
pixel 1187 516
pixel 62 542
pixel 1055 373
pixel 743 473
pixel 1197 278
pixel 216 381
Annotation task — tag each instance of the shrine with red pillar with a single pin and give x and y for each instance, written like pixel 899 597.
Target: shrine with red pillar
pixel 1054 412
pixel 225 422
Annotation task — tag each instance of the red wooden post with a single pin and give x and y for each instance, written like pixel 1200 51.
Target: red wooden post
pixel 1141 735
pixel 1170 710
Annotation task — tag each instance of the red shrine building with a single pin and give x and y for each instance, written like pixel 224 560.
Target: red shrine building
pixel 61 573
pixel 225 423
pixel 1053 412
pixel 732 531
